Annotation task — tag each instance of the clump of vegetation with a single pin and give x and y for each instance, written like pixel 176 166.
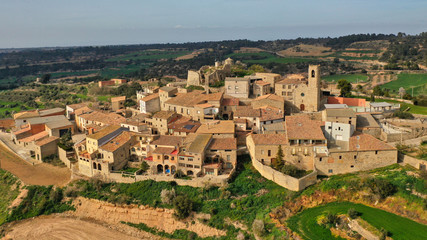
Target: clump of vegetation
pixel 168 196
pixel 352 213
pixel 177 234
pixel 381 187
pixel 403 115
pixel 40 200
pixel 345 88
pixel 258 227
pixel 65 142
pixel 183 206
pixel 54 160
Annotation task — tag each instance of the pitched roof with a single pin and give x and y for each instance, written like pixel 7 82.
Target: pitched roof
pixel 270 113
pixel 230 101
pixel 366 121
pixel 261 83
pixel 188 99
pixel 164 150
pixel 163 114
pixel 302 127
pixel 290 81
pixel 58 124
pixel 184 124
pixel 218 127
pixel 204 105
pixel 199 144
pixel 45 120
pixel 35 137
pixel 270 139
pixel 342 112
pixel 117 99
pixel 26 114
pixel 150 97
pixel 365 142
pixel 246 111
pixel 77 105
pixel 103 132
pixel 167 140
pixel 46 140
pixel 214 96
pixel 7 123
pixel 223 144
pixel 167 89
pixel 270 97
pixel 117 142
pixel 279 126
pixel 106 118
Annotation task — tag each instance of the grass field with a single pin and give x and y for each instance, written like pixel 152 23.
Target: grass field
pixel 400 228
pixel 406 80
pixel 353 78
pixel 116 72
pixel 103 98
pixel 265 57
pixel 149 55
pixel 339 54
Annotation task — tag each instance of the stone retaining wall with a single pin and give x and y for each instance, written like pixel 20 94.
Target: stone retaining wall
pixel 283 180
pixel 416 163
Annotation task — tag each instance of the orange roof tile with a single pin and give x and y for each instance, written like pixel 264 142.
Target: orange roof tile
pixel 365 142
pixel 35 137
pixel 270 139
pixel 302 127
pixel 150 97
pixel 117 142
pixel 117 99
pixel 223 144
pixel 46 140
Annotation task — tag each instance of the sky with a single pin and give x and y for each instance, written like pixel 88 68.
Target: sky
pixel 50 23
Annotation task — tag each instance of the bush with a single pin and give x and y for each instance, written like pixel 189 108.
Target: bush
pixel 331 218
pixel 384 234
pixel 381 187
pixel 352 213
pixel 167 196
pixel 183 206
pixel 258 227
pixel 145 166
pixel 403 115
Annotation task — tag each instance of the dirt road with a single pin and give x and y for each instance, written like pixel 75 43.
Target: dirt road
pixel 62 228
pixel 40 174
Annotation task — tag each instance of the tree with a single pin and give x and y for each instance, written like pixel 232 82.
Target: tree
pixel 45 78
pixel 378 91
pixel 65 142
pixel 372 98
pixel 256 68
pixel 183 206
pixel 278 163
pixel 402 92
pixel 145 166
pixel 381 187
pixel 167 196
pixel 345 88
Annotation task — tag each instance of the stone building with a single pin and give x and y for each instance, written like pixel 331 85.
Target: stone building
pixel 207 75
pixel 271 78
pixel 118 103
pixel 150 103
pixel 302 94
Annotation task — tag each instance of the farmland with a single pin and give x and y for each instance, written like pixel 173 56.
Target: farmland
pixel 265 57
pixel 400 228
pixel 152 55
pixel 406 80
pixel 353 78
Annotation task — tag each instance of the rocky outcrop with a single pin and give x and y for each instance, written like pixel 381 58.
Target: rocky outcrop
pixel 159 218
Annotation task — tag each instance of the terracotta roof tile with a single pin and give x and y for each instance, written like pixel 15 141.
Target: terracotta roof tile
pixel 218 127
pixel 223 144
pixel 150 97
pixel 163 114
pixel 188 99
pixel 230 101
pixel 271 97
pixel 302 127
pixel 246 111
pixel 46 140
pixel 35 137
pixel 117 99
pixel 167 140
pixel 163 150
pixel 270 139
pixel 116 142
pixel 106 118
pixel 365 142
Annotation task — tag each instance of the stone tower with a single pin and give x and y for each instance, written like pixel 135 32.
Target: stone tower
pixel 314 86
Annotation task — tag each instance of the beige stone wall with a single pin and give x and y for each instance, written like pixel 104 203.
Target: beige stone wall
pixel 283 180
pixel 238 89
pixel 193 78
pixel 416 163
pixel 62 154
pixel 46 150
pixel 347 162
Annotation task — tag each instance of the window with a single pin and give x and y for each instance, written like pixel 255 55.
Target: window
pixel 181 165
pixel 355 156
pixel 189 165
pixel 320 159
pixel 340 157
pixel 228 157
pixel 289 86
pixel 190 159
pixel 269 153
pixel 181 158
pixel 196 166
pixel 302 94
pixel 330 171
pixel 352 166
pixel 376 152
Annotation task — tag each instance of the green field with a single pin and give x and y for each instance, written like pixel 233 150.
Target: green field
pixel 305 223
pixel 265 57
pixel 149 55
pixel 406 80
pixel 103 98
pixel 339 54
pixel 70 74
pixel 353 78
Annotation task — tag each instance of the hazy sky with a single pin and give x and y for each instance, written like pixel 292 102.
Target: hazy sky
pixel 40 23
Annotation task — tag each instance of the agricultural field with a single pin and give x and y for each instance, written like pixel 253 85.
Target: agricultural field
pixel 265 57
pixel 406 80
pixel 400 228
pixel 151 55
pixel 57 75
pixel 353 78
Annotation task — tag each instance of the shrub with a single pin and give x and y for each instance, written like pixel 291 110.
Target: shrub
pixel 381 187
pixel 331 218
pixel 258 227
pixel 384 234
pixel 167 196
pixel 145 166
pixel 352 213
pixel 183 206
pixel 403 115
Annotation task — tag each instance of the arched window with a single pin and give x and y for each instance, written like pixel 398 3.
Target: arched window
pixel 94 165
pixel 99 166
pixel 313 73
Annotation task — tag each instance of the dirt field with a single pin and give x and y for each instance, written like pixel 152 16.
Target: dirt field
pixel 55 227
pixel 40 174
pixel 304 50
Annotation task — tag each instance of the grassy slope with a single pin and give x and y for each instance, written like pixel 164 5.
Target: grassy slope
pixel 406 80
pixel 353 78
pixel 7 195
pixel 266 58
pixel 400 227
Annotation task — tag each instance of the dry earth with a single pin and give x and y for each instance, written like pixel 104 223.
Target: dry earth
pixel 304 50
pixel 40 174
pixel 64 228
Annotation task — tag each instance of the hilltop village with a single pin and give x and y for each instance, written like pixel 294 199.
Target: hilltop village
pixel 292 129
